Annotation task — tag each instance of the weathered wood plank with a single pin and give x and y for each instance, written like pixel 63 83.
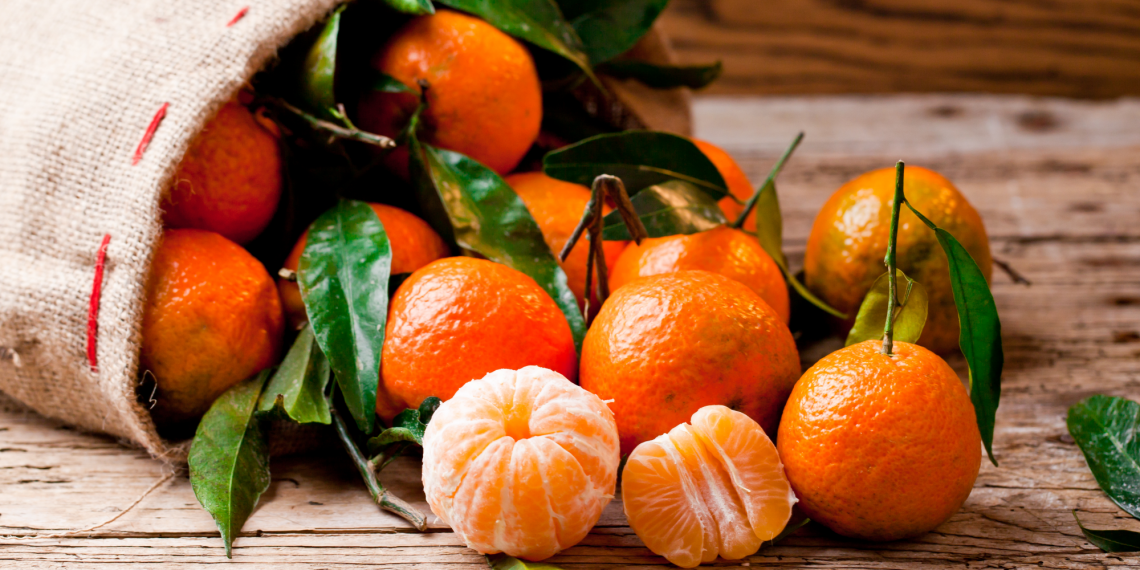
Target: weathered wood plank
pixel 1074 48
pixel 1064 216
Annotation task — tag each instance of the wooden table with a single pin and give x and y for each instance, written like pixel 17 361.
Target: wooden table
pixel 1058 184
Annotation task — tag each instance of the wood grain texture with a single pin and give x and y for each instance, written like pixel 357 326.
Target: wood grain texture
pixel 1060 204
pixel 1076 48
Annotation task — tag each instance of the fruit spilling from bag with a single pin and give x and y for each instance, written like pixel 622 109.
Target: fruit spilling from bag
pixel 451 218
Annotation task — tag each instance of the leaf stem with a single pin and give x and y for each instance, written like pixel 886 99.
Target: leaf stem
pixel 748 206
pixel 892 243
pixel 333 128
pixel 383 498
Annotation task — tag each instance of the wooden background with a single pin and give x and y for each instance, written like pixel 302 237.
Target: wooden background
pixel 1072 48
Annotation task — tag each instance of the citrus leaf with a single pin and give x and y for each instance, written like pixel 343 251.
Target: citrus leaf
pixel 229 459
pixel 609 28
pixel 319 70
pixel 408 426
pixel 297 388
pixel 539 22
pixel 385 83
pixel 980 338
pixel 343 275
pixel 872 316
pixel 770 222
pixel 667 209
pixel 413 7
pixel 1107 429
pixel 1111 540
pixel 640 158
pixel 807 295
pixel 503 562
pixel 663 76
pixel 487 217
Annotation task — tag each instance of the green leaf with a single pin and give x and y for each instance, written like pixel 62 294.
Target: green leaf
pixel 229 459
pixel 343 275
pixel 909 318
pixel 663 76
pixel 609 28
pixel 1111 540
pixel 503 562
pixel 319 70
pixel 408 426
pixel 980 338
pixel 807 295
pixel 1107 430
pixel 385 83
pixel 487 217
pixel 667 209
pixel 640 158
pixel 539 22
pixel 413 7
pixel 297 389
pixel 770 223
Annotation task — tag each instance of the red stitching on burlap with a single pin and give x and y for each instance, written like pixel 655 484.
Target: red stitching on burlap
pixel 93 309
pixel 149 134
pixel 241 14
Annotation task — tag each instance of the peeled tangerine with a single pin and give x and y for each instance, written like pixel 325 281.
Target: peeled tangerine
pixel 521 462
pixel 712 487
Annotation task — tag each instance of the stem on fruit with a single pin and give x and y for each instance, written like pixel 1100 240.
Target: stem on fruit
pixel 892 242
pixel 333 128
pixel 751 203
pixel 383 498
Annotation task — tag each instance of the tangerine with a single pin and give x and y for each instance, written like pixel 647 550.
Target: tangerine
pixel 848 240
pixel 666 345
pixel 739 187
pixel 211 319
pixel 459 318
pixel 521 462
pixel 484 97
pixel 880 447
pixel 726 251
pixel 229 182
pixel 413 243
pixel 712 487
pixel 557 207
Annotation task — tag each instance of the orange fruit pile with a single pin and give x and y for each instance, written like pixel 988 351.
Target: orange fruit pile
pixel 845 250
pixel 484 97
pixel 666 345
pixel 459 318
pixel 880 447
pixel 713 487
pixel 211 319
pixel 521 462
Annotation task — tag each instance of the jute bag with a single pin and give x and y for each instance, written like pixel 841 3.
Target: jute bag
pixel 84 85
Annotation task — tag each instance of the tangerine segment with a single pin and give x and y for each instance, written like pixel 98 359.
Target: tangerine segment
pixel 521 462
pixel 711 488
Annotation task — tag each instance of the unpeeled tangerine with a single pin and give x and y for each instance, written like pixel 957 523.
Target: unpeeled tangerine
pixel 521 462
pixel 715 487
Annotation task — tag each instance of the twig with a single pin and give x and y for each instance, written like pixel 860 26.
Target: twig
pixel 333 128
pixel 1018 278
pixel 383 498
pixel 751 203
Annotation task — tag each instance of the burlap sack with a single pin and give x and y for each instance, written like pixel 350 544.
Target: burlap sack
pixel 80 82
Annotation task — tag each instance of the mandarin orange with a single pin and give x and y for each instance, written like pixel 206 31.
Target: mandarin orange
pixel 725 251
pixel 229 182
pixel 412 241
pixel 211 319
pixel 521 462
pixel 739 187
pixel 557 207
pixel 666 345
pixel 848 240
pixel 712 487
pixel 484 97
pixel 880 447
pixel 459 318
